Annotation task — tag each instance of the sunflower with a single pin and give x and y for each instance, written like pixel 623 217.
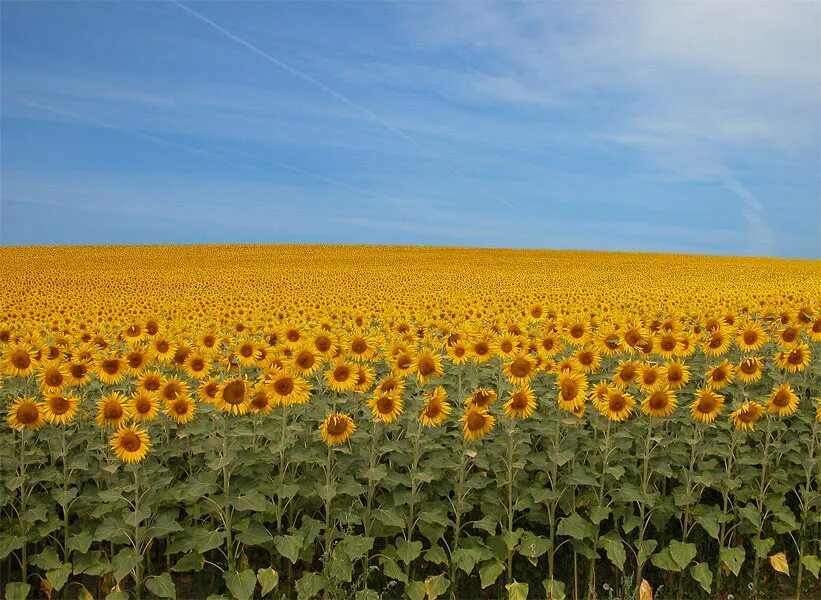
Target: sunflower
pixel 572 390
pixel 750 369
pixel 336 429
pixel 136 360
pixel 751 336
pixel 79 373
pixel 599 394
pixel 649 377
pixel 587 360
pixel 292 336
pixel 59 409
pixel 521 404
pixel 19 361
pixel 815 330
pixel 208 391
pixel 608 340
pixel 173 389
pixel 634 334
pixel 262 401
pixel 626 373
pixel 719 375
pixel 112 411
pixel 391 384
pixel 323 342
pixel 286 388
pixel 458 352
pixel 181 410
pixel 507 345
pixel 666 344
pixel 436 408
pixel 520 370
pixel 341 377
pixel 234 396
pixel 676 374
pixel 197 365
pixel 427 365
pixel 150 382
pixel 386 407
pixel 716 343
pixel 182 352
pixel 130 444
pixel 142 406
pixel 133 334
pixel 707 405
pixel 480 350
pixel 794 360
pixel 782 400
pixel 577 331
pixel 549 344
pixel 247 353
pixel 208 341
pixel 53 377
pixel 789 335
pixel 477 422
pixel 659 403
pixel 617 405
pixel 365 376
pixel 162 348
pixel 305 361
pixel 25 413
pixel 361 346
pixel 481 398
pixel 745 417
pixel 110 369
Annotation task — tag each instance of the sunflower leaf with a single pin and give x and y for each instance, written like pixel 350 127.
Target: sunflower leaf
pixel 701 572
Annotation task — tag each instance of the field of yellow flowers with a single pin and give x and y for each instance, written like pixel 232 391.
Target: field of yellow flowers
pixel 384 422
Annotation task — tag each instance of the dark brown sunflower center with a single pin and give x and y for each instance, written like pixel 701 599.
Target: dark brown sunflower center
pixel 28 413
pixel 577 331
pixel 789 334
pixel 284 386
pixel 781 398
pixel 674 373
pixel 432 410
pixel 506 346
pixel 520 367
pixel 337 425
pixel 111 366
pixel 163 346
pixel 706 404
pixel 292 335
pixel 246 350
pixel 668 343
pixel 750 337
pixel 518 401
pixel 21 360
pixel 358 346
pixel 143 405
pixel 658 400
pixel 260 399
pixel 78 370
pixel 796 357
pixel 475 421
pixel 197 365
pixel 616 402
pixel 130 441
pixel 322 343
pixel 305 360
pixel 234 392
pixel 384 404
pixel 481 348
pixel 748 366
pixel 459 351
pixel 569 390
pixel 112 411
pixel 58 405
pixel 54 378
pixel 342 373
pixel 426 366
pixel 152 384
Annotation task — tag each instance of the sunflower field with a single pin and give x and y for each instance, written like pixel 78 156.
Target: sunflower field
pixel 398 422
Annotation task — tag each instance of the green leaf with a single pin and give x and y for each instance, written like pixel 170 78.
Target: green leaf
pixel 121 595
pixel 288 546
pixel 701 572
pixel 436 555
pixel 268 579
pixel 392 569
pixel 124 563
pixel 92 563
pixel 193 561
pixel 415 590
pixel 663 560
pixel 614 548
pixel 489 572
pixel 10 543
pixel 763 547
pixel 710 524
pixel 256 534
pixel 733 558
pixel 575 526
pixel 533 546
pixel 47 559
pixel 599 514
pixel 354 547
pixel 80 542
pixel 436 585
pixel 58 576
pixel 511 538
pixel 812 564
pixel 682 553
pixel 554 589
pixel 17 591
pixel 486 523
pixel 309 584
pixel 517 591
pixel 161 586
pixel 408 551
pixel 242 584
pixel 645 549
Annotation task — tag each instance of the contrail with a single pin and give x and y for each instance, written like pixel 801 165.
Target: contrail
pixel 331 91
pixel 213 155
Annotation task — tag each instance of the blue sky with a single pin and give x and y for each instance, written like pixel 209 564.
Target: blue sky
pixel 686 127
